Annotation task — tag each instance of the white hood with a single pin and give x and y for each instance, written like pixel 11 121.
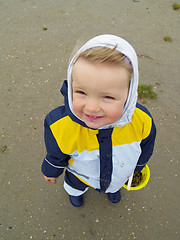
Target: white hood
pixel 124 47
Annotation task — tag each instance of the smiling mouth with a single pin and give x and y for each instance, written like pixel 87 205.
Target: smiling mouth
pixel 92 117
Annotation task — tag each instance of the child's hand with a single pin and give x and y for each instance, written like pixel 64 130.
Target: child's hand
pixel 50 179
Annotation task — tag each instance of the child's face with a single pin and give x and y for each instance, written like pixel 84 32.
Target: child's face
pixel 100 92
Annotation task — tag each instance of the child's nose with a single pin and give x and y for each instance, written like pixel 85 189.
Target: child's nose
pixel 92 105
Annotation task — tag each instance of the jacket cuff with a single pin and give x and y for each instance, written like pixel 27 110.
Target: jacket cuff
pixel 139 168
pixel 50 170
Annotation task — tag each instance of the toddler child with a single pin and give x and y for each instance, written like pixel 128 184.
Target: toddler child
pixel 101 135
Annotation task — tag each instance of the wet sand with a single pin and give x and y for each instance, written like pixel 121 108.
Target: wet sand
pixel 33 66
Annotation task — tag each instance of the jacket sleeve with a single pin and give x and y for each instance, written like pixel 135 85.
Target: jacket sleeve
pixel 55 161
pixel 147 146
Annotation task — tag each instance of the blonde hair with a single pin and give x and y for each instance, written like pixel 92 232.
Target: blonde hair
pixel 106 55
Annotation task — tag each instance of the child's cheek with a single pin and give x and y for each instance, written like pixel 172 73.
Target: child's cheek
pixel 76 107
pixel 115 115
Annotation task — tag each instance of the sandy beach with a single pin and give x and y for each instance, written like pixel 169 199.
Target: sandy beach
pixel 36 41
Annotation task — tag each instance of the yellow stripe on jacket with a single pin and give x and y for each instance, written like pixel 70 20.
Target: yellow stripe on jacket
pixel 72 137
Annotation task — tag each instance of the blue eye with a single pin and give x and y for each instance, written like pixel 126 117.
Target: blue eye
pixel 80 92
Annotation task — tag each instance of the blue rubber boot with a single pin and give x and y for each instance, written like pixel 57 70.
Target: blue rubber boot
pixel 114 197
pixel 76 201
